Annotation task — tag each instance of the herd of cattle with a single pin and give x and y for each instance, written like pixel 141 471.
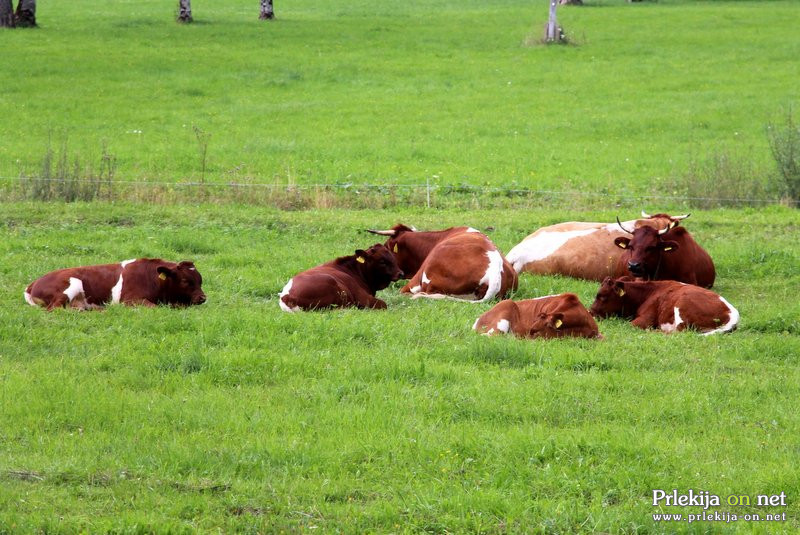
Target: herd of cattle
pixel 651 271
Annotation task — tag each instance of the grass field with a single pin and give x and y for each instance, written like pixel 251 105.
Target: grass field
pixel 398 92
pixel 236 416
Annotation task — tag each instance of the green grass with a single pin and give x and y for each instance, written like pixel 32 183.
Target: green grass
pixel 234 416
pixel 399 92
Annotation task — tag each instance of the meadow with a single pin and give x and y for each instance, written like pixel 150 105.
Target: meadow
pixel 235 417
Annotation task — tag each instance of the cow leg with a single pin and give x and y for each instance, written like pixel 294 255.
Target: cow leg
pixel 59 301
pixel 139 302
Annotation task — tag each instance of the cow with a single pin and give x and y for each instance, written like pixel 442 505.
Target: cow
pixel 667 305
pixel 552 316
pixel 666 254
pixel 348 281
pixel 579 249
pixel 457 263
pixel 140 281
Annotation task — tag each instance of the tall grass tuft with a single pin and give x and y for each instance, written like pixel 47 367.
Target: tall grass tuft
pixel 66 178
pixel 784 141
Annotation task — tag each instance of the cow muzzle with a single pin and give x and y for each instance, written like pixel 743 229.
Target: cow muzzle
pixel 636 268
pixel 199 300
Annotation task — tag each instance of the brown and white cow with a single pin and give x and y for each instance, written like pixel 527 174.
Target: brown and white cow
pixel 456 263
pixel 143 281
pixel 579 249
pixel 348 281
pixel 552 316
pixel 666 305
pixel 667 254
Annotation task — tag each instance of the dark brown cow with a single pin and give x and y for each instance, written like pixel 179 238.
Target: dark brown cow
pixel 143 281
pixel 348 281
pixel 457 263
pixel 411 247
pixel 553 316
pixel 666 305
pixel 667 254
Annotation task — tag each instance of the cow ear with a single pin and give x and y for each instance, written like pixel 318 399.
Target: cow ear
pixel 619 287
pixel 557 320
pixel 622 242
pixel 668 245
pixel 361 256
pixel 164 272
pixel 187 264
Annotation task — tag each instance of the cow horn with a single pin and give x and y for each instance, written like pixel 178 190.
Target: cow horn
pixel 390 232
pixel 623 228
pixel 664 230
pixel 646 215
pixel 681 217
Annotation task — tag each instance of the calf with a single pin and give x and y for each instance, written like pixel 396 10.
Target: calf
pixel 664 254
pixel 349 281
pixel 143 281
pixel 666 305
pixel 553 316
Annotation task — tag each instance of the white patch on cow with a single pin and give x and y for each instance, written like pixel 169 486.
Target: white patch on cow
pixel 74 289
pixel 29 299
pixel 425 279
pixel 541 246
pixel 474 325
pixel 733 320
pixel 545 297
pixel 490 331
pixel 493 277
pixel 416 289
pixel 470 229
pixel 116 291
pixel 470 298
pixel 672 327
pixel 503 325
pixel 286 289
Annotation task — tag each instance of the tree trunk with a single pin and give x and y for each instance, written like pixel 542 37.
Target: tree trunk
pixel 6 14
pixel 26 13
pixel 185 11
pixel 266 10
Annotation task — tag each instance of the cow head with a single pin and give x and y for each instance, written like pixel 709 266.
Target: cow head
pixel 547 325
pixel 378 266
pixel 609 300
pixel 645 248
pixel 181 284
pixel 406 258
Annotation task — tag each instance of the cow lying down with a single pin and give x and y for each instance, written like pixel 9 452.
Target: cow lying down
pixel 348 281
pixel 143 281
pixel 666 305
pixel 553 316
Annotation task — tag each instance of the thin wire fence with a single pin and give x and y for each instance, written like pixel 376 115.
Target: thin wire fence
pixel 330 195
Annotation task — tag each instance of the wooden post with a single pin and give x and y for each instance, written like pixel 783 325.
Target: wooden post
pixel 552 25
pixel 266 13
pixel 185 11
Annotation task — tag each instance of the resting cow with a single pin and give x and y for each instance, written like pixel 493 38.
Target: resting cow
pixel 553 316
pixel 348 281
pixel 667 254
pixel 143 281
pixel 457 263
pixel 666 305
pixel 577 249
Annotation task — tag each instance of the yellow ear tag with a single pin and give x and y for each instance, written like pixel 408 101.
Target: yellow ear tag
pixel 162 276
pixel 395 248
pixel 667 248
pixel 622 245
pixel 558 323
pixel 360 259
pixel 620 292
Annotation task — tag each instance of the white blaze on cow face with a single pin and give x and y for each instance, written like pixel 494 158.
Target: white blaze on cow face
pixel 672 327
pixel 541 246
pixel 475 325
pixel 29 299
pixel 493 277
pixel 286 289
pixel 74 289
pixel 733 320
pixel 116 291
